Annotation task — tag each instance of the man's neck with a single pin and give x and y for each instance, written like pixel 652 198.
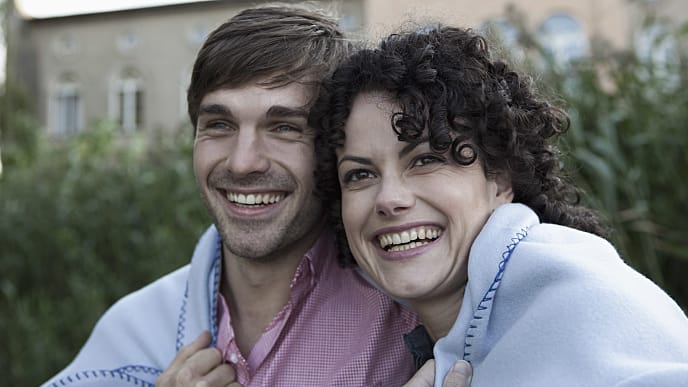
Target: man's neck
pixel 256 291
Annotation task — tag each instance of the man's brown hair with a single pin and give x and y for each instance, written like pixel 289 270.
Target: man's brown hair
pixel 274 45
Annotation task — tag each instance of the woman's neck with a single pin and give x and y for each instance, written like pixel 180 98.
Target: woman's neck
pixel 439 314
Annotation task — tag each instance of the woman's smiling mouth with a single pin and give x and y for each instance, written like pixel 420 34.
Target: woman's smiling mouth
pixel 409 239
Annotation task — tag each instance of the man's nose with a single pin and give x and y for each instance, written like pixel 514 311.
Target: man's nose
pixel 247 154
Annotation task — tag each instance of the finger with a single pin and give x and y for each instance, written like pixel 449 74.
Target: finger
pixel 221 376
pixel 200 342
pixel 459 375
pixel 176 374
pixel 424 377
pixel 203 362
pixel 190 362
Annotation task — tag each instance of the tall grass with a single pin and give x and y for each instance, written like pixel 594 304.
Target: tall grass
pixel 627 146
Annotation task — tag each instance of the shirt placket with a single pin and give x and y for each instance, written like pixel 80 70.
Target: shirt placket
pixel 231 354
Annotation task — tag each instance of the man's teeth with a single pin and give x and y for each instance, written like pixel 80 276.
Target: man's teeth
pixel 409 239
pixel 253 199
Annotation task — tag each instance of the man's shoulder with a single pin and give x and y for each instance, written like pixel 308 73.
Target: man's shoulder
pixel 135 337
pixel 157 296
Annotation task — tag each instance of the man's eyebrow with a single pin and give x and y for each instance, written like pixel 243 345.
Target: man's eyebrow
pixel 215 109
pixel 284 111
pixel 355 159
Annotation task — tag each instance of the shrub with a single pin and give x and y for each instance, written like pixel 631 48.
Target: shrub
pixel 88 222
pixel 627 147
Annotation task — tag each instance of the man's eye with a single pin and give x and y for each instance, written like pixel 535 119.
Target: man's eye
pixel 284 128
pixel 217 125
pixel 426 160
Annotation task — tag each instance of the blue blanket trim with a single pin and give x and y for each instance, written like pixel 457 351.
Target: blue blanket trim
pixel 482 310
pixel 121 374
pixel 181 321
pixel 216 270
pixel 139 369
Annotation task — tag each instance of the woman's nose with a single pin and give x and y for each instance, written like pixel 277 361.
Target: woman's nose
pixel 394 198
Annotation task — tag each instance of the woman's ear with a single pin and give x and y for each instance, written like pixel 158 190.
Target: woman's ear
pixel 505 191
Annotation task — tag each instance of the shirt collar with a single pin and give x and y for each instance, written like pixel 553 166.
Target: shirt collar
pixel 313 263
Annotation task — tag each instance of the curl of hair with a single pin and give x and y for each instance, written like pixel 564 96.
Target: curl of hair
pixel 451 93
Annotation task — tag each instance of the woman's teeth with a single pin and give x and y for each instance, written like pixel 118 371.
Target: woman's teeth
pixel 409 239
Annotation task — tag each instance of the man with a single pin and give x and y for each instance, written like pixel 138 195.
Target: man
pixel 263 281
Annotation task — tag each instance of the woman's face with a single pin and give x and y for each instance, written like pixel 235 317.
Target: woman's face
pixel 410 215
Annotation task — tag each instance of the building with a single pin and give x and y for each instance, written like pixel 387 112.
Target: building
pixel 132 65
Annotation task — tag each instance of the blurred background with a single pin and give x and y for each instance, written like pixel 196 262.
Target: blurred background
pixel 97 195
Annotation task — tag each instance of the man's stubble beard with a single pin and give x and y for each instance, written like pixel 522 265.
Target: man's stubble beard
pixel 248 239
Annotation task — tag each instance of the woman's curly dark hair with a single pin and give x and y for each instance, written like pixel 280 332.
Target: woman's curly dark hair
pixel 452 94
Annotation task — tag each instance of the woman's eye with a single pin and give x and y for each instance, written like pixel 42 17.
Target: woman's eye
pixel 426 160
pixel 356 175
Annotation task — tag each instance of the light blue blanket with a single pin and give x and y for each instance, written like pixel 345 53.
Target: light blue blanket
pixel 547 305
pixel 143 331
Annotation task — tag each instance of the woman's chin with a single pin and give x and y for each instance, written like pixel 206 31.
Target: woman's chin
pixel 407 292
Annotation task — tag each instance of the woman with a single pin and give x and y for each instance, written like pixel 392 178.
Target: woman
pixel 445 177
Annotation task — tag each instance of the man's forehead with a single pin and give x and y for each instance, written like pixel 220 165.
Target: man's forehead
pixel 294 100
pixel 296 95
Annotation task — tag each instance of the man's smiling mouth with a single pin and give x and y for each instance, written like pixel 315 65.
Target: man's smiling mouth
pixel 255 199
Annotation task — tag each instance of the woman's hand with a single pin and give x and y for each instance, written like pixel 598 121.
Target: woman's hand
pixel 459 375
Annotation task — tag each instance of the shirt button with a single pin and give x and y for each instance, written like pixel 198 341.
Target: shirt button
pixel 234 358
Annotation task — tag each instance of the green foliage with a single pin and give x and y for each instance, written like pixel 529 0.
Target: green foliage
pixel 627 143
pixel 91 220
pixel 18 129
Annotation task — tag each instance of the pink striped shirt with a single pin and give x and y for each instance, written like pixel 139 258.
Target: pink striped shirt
pixel 335 330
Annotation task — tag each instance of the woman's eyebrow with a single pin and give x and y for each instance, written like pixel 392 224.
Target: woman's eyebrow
pixel 355 159
pixel 411 146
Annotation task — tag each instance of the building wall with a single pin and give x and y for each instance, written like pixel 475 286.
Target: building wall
pixel 609 18
pixel 159 44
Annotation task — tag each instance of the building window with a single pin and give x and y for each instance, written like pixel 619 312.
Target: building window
pixel 563 38
pixel 65 45
pixel 127 41
pixel 66 117
pixel 502 30
pixel 127 102
pixel 506 35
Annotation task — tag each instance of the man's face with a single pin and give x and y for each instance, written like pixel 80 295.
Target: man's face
pixel 254 161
